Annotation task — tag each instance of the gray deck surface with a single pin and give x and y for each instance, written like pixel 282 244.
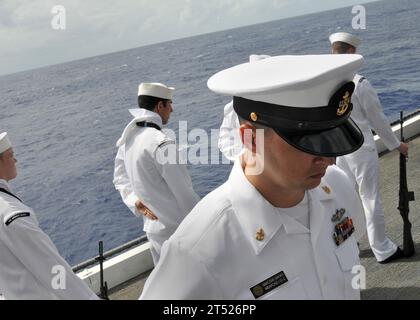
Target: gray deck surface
pixel 397 280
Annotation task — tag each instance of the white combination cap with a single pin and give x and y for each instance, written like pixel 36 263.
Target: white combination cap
pixel 305 99
pixel 4 142
pixel 345 37
pixel 157 90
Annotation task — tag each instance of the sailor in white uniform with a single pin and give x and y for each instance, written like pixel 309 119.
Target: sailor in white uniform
pixel 363 165
pixel 144 168
pixel 230 145
pixel 285 232
pixel 229 142
pixel 30 265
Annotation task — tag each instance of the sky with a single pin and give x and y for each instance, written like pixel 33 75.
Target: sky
pixel 33 33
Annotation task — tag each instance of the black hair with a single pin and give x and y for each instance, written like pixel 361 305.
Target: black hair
pixel 342 47
pixel 150 102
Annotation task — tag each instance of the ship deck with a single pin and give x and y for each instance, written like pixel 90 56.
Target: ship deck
pixel 397 280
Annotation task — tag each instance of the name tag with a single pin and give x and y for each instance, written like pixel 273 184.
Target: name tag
pixel 269 284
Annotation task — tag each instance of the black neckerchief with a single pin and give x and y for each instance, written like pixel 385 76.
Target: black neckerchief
pixel 148 124
pixel 9 193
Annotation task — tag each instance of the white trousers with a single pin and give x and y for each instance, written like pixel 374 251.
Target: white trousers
pixel 362 167
pixel 156 241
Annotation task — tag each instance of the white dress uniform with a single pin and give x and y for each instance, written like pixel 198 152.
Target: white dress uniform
pixel 214 254
pixel 230 145
pixel 362 166
pixel 141 173
pixel 28 257
pixel 235 244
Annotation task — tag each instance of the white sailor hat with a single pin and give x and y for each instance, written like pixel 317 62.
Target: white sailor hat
pixel 4 142
pixel 155 89
pixel 345 37
pixel 305 99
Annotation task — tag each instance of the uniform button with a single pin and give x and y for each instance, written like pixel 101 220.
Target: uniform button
pixel 260 234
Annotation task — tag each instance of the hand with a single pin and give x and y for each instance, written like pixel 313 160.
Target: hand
pixel 140 207
pixel 403 148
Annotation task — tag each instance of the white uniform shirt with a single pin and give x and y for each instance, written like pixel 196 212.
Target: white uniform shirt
pixel 140 173
pixel 368 114
pixel 214 254
pixel 28 257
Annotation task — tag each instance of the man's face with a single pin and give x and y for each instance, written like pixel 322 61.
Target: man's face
pixel 166 110
pixel 290 168
pixel 8 165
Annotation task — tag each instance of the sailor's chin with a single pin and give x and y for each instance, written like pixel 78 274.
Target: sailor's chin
pixel 314 181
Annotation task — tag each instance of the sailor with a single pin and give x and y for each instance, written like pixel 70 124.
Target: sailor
pixel 363 165
pixel 144 168
pixel 281 226
pixel 30 265
pixel 229 143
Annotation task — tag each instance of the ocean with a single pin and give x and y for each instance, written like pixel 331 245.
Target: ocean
pixel 64 119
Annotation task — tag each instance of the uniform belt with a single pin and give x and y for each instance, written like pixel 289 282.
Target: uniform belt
pixel 9 193
pixel 148 124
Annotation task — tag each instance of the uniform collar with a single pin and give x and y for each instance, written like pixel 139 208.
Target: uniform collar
pixel 318 199
pixel 138 115
pixel 254 212
pixel 5 185
pixel 141 114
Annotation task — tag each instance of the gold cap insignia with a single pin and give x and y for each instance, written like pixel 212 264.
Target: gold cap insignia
pixel 326 189
pixel 253 116
pixel 260 234
pixel 344 104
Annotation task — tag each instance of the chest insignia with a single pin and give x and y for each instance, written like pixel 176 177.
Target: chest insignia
pixel 343 230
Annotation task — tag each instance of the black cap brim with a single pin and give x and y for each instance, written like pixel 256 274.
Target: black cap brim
pixel 343 139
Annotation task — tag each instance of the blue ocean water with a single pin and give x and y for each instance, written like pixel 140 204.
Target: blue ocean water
pixel 64 119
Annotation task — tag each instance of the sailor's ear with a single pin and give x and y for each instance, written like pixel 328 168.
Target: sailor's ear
pixel 248 136
pixel 160 105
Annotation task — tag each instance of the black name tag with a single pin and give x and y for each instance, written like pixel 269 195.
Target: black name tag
pixel 269 284
pixel 16 216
